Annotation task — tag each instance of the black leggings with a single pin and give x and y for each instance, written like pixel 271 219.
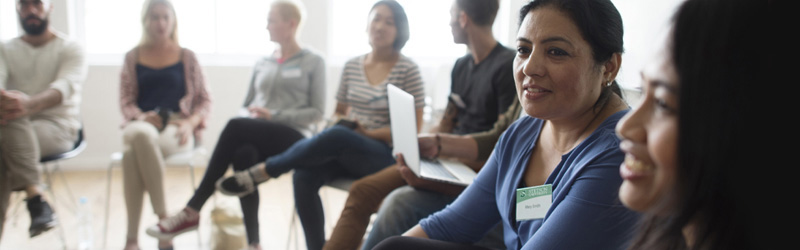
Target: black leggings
pixel 403 242
pixel 243 143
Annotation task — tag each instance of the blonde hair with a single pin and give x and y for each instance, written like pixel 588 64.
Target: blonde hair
pixel 290 10
pixel 148 5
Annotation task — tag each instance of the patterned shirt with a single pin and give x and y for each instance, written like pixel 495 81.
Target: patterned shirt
pixel 369 104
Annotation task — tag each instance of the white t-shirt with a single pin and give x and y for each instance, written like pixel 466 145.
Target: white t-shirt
pixel 59 64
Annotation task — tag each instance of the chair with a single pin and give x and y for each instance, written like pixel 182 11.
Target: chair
pixel 340 184
pixel 181 159
pixel 78 147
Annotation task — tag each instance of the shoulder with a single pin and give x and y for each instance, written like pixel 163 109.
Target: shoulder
pixel 312 55
pixel 407 64
pixel 522 132
pixel 188 55
pixel 603 144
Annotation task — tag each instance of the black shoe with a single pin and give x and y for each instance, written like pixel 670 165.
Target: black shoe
pixel 42 216
pixel 240 184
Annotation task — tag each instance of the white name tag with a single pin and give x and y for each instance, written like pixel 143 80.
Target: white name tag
pixel 534 202
pixel 291 73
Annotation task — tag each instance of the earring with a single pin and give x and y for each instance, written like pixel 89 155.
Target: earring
pixel 608 84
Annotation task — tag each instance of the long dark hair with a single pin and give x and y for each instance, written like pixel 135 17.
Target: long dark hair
pixel 400 22
pixel 600 24
pixel 712 49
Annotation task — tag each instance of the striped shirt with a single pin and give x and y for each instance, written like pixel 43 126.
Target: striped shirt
pixel 369 104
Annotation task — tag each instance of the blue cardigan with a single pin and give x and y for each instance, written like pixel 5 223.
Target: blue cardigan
pixel 585 214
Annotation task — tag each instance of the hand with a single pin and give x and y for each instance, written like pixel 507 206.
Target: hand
pixel 418 183
pixel 184 131
pixel 259 112
pixel 408 175
pixel 153 118
pixel 360 129
pixel 13 105
pixel 428 145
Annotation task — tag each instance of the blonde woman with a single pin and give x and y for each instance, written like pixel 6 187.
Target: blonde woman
pixel 286 95
pixel 165 102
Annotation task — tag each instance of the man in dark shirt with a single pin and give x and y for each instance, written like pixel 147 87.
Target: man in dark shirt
pixel 482 84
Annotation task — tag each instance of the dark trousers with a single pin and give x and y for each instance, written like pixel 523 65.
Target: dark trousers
pixel 335 152
pixel 243 143
pixel 402 242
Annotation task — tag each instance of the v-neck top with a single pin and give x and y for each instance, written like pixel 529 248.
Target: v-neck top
pixel 160 88
pixel 586 212
pixel 369 104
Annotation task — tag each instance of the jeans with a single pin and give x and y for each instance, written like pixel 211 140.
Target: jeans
pixel 243 143
pixel 336 152
pixel 406 206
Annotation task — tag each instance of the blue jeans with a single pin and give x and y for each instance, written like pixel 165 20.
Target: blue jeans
pixel 406 206
pixel 336 152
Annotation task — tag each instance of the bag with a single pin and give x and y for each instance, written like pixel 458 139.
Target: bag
pixel 227 228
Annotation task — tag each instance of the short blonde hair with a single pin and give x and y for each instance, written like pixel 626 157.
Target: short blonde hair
pixel 290 10
pixel 148 5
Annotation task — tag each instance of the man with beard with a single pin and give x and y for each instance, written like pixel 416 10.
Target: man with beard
pixel 40 81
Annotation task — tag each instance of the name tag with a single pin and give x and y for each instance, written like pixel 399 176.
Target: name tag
pixel 291 72
pixel 534 202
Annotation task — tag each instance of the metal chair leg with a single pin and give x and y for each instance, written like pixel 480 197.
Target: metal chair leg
pixel 49 181
pixel 108 204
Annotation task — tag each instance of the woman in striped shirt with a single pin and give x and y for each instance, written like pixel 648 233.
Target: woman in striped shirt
pixel 352 151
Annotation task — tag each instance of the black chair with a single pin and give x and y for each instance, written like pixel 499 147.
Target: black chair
pixel 78 147
pixel 46 161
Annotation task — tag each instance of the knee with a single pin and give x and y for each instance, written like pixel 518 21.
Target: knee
pixel 393 242
pixel 336 134
pixel 244 157
pixel 139 131
pixel 236 124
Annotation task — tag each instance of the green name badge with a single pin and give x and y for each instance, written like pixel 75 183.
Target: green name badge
pixel 534 202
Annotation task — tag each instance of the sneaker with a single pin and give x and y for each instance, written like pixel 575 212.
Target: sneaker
pixel 42 216
pixel 174 225
pixel 240 184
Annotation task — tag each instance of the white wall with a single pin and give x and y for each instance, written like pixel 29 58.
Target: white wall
pixel 644 21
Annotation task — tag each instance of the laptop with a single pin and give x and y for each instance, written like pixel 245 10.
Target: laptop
pixel 404 137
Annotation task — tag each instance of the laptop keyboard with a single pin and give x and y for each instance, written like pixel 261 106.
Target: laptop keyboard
pixel 434 168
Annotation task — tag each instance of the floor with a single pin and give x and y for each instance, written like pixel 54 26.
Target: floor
pixel 275 213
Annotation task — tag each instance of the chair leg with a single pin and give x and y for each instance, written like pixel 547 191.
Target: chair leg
pixel 191 175
pixel 108 204
pixel 293 234
pixel 49 181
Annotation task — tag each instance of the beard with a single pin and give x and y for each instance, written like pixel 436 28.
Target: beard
pixel 34 29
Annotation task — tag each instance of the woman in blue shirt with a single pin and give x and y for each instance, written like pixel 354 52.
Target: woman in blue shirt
pixel 566 154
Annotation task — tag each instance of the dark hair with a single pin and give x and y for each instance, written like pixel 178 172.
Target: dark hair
pixel 600 24
pixel 400 22
pixel 712 47
pixel 482 12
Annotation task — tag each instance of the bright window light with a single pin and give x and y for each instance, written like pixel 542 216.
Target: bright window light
pixel 216 27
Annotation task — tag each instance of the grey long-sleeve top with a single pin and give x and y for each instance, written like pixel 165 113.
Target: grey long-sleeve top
pixel 293 90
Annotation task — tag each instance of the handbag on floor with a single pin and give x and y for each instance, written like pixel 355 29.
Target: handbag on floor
pixel 227 228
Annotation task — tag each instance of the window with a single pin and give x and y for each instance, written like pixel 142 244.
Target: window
pixel 208 27
pixel 429 22
pixel 9 24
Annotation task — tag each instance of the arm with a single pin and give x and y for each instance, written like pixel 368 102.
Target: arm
pixel 447 122
pixel 470 216
pixel 128 88
pixel 70 76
